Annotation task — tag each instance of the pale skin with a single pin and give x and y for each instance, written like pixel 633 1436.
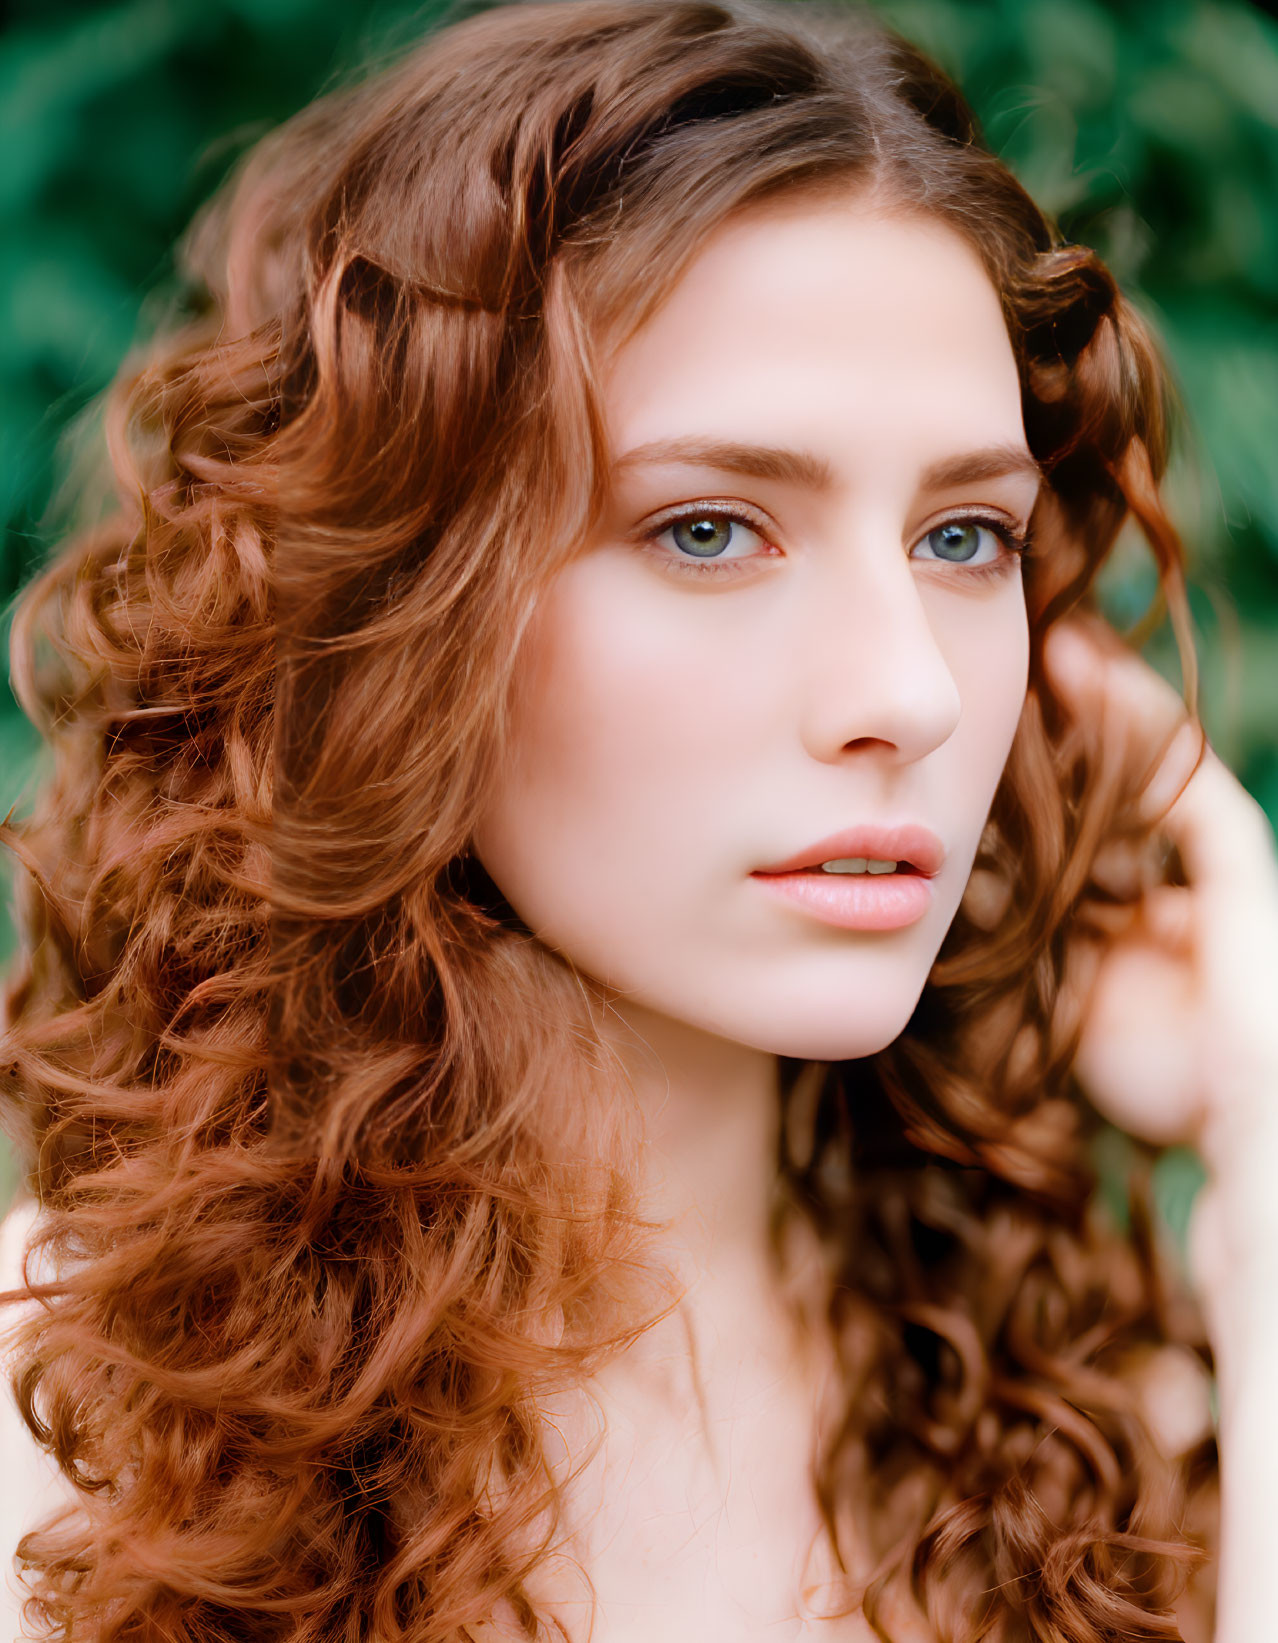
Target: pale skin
pixel 679 729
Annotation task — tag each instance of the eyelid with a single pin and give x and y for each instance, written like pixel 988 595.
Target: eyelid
pixel 743 512
pixel 980 512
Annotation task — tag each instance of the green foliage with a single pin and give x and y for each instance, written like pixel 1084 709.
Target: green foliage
pixel 1148 127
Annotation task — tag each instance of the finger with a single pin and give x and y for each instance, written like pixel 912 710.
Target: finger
pixel 1112 692
pixel 1221 832
pixel 1126 867
pixel 1223 836
pixel 1168 917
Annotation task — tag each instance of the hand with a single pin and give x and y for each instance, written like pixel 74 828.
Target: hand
pixel 1180 1008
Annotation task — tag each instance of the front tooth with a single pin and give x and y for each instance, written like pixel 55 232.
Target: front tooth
pixel 880 867
pixel 845 864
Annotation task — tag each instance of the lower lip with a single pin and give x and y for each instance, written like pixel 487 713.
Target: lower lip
pixel 854 901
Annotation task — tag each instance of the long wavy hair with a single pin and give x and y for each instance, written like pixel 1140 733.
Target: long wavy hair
pixel 291 1084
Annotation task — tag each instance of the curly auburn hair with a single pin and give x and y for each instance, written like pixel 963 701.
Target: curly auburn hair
pixel 285 1075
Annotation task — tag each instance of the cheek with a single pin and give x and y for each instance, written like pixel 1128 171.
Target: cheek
pixel 613 709
pixel 618 727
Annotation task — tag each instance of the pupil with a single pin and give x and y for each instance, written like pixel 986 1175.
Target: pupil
pixel 702 537
pixel 955 541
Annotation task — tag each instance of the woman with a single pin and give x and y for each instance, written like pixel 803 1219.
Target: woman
pixel 599 875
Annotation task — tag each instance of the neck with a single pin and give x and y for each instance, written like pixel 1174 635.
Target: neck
pixel 710 1109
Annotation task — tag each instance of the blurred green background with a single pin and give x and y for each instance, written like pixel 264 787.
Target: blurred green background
pixel 1149 128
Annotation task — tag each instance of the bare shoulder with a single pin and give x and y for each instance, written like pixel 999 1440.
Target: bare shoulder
pixel 31 1487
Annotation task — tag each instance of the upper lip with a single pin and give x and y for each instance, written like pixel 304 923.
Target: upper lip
pixel 906 842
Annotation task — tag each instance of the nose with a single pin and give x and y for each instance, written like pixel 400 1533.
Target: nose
pixel 875 676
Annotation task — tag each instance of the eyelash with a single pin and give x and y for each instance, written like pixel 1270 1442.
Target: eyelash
pixel 1015 541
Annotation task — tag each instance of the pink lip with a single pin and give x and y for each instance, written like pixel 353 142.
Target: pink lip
pixel 886 901
pixel 878 901
pixel 921 848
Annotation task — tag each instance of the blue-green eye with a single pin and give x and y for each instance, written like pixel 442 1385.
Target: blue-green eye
pixel 708 539
pixel 959 541
pixel 700 538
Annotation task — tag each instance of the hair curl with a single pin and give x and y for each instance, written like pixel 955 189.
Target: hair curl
pixel 291 1083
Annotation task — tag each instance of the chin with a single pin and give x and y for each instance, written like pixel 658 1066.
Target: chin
pixel 829 1041
pixel 815 1027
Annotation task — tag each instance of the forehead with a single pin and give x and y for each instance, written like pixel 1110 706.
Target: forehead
pixel 829 324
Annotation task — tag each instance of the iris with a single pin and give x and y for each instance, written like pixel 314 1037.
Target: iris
pixel 955 540
pixel 703 537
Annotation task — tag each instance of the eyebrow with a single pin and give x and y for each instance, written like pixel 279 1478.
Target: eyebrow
pixel 791 467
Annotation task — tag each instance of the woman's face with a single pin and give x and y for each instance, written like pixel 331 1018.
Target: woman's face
pixel 801 616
